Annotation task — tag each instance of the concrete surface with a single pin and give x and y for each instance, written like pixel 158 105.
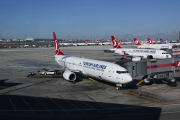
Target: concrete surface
pixel 55 98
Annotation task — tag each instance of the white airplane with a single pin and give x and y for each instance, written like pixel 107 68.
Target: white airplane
pixel 74 44
pixel 138 54
pixel 125 42
pixel 93 43
pixel 151 45
pixel 164 43
pixel 101 70
pixel 65 44
pixel 105 43
pixel 82 44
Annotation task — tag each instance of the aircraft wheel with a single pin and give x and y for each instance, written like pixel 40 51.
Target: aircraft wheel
pixel 173 84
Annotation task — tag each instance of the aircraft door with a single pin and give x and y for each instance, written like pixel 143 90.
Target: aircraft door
pixel 62 62
pixel 110 72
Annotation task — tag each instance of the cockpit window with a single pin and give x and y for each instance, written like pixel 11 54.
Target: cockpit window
pixel 164 53
pixel 120 72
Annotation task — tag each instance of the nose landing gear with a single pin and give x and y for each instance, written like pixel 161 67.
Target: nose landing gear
pixel 119 86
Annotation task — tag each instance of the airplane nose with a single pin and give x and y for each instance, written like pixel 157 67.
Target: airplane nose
pixel 169 56
pixel 128 78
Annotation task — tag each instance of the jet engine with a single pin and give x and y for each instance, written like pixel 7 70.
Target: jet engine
pixel 149 57
pixel 68 75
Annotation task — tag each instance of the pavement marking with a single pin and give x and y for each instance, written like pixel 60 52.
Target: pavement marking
pixel 137 94
pixel 55 103
pixel 145 97
pixel 21 86
pixel 11 102
pixel 41 103
pixel 92 80
pixel 26 103
pixel 81 101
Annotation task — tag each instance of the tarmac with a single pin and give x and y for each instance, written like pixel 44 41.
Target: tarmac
pixel 52 97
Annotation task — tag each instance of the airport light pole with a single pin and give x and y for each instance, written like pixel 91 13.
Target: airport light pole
pixel 49 41
pixel 179 36
pixel 25 39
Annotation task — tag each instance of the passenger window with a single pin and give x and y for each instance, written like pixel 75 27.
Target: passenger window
pixel 119 72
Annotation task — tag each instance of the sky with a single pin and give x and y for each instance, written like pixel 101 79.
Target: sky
pixel 87 19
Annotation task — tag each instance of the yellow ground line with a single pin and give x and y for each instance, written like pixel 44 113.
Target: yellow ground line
pixel 139 82
pixel 145 97
pixel 137 94
pixel 92 80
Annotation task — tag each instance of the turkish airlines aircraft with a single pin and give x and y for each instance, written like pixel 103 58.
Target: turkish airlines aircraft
pixel 165 43
pixel 82 44
pixel 101 70
pixel 93 43
pixel 65 44
pixel 138 54
pixel 105 43
pixel 151 45
pixel 150 41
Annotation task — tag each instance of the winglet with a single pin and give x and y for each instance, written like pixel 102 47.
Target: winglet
pixel 56 45
pixel 136 42
pixel 115 42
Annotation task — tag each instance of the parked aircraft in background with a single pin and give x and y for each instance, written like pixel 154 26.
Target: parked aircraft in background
pixel 65 44
pixel 93 43
pixel 104 43
pixel 151 46
pixel 101 70
pixel 138 54
pixel 150 41
pixel 163 42
pixel 82 43
pixel 125 42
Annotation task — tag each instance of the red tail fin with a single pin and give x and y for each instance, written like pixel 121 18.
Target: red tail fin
pixel 115 42
pixel 150 41
pixel 56 45
pixel 86 42
pixel 97 42
pixel 136 42
pixel 120 41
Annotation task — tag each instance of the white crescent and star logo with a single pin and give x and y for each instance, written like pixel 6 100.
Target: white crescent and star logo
pixel 177 64
pixel 56 44
pixel 150 41
pixel 136 42
pixel 114 43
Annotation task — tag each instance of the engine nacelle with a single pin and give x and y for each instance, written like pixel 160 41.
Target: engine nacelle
pixel 136 58
pixel 68 75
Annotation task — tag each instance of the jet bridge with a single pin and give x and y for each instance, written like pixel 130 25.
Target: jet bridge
pixel 153 68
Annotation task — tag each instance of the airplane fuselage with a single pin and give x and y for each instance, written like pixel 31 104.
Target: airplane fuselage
pixel 159 54
pixel 154 46
pixel 95 68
